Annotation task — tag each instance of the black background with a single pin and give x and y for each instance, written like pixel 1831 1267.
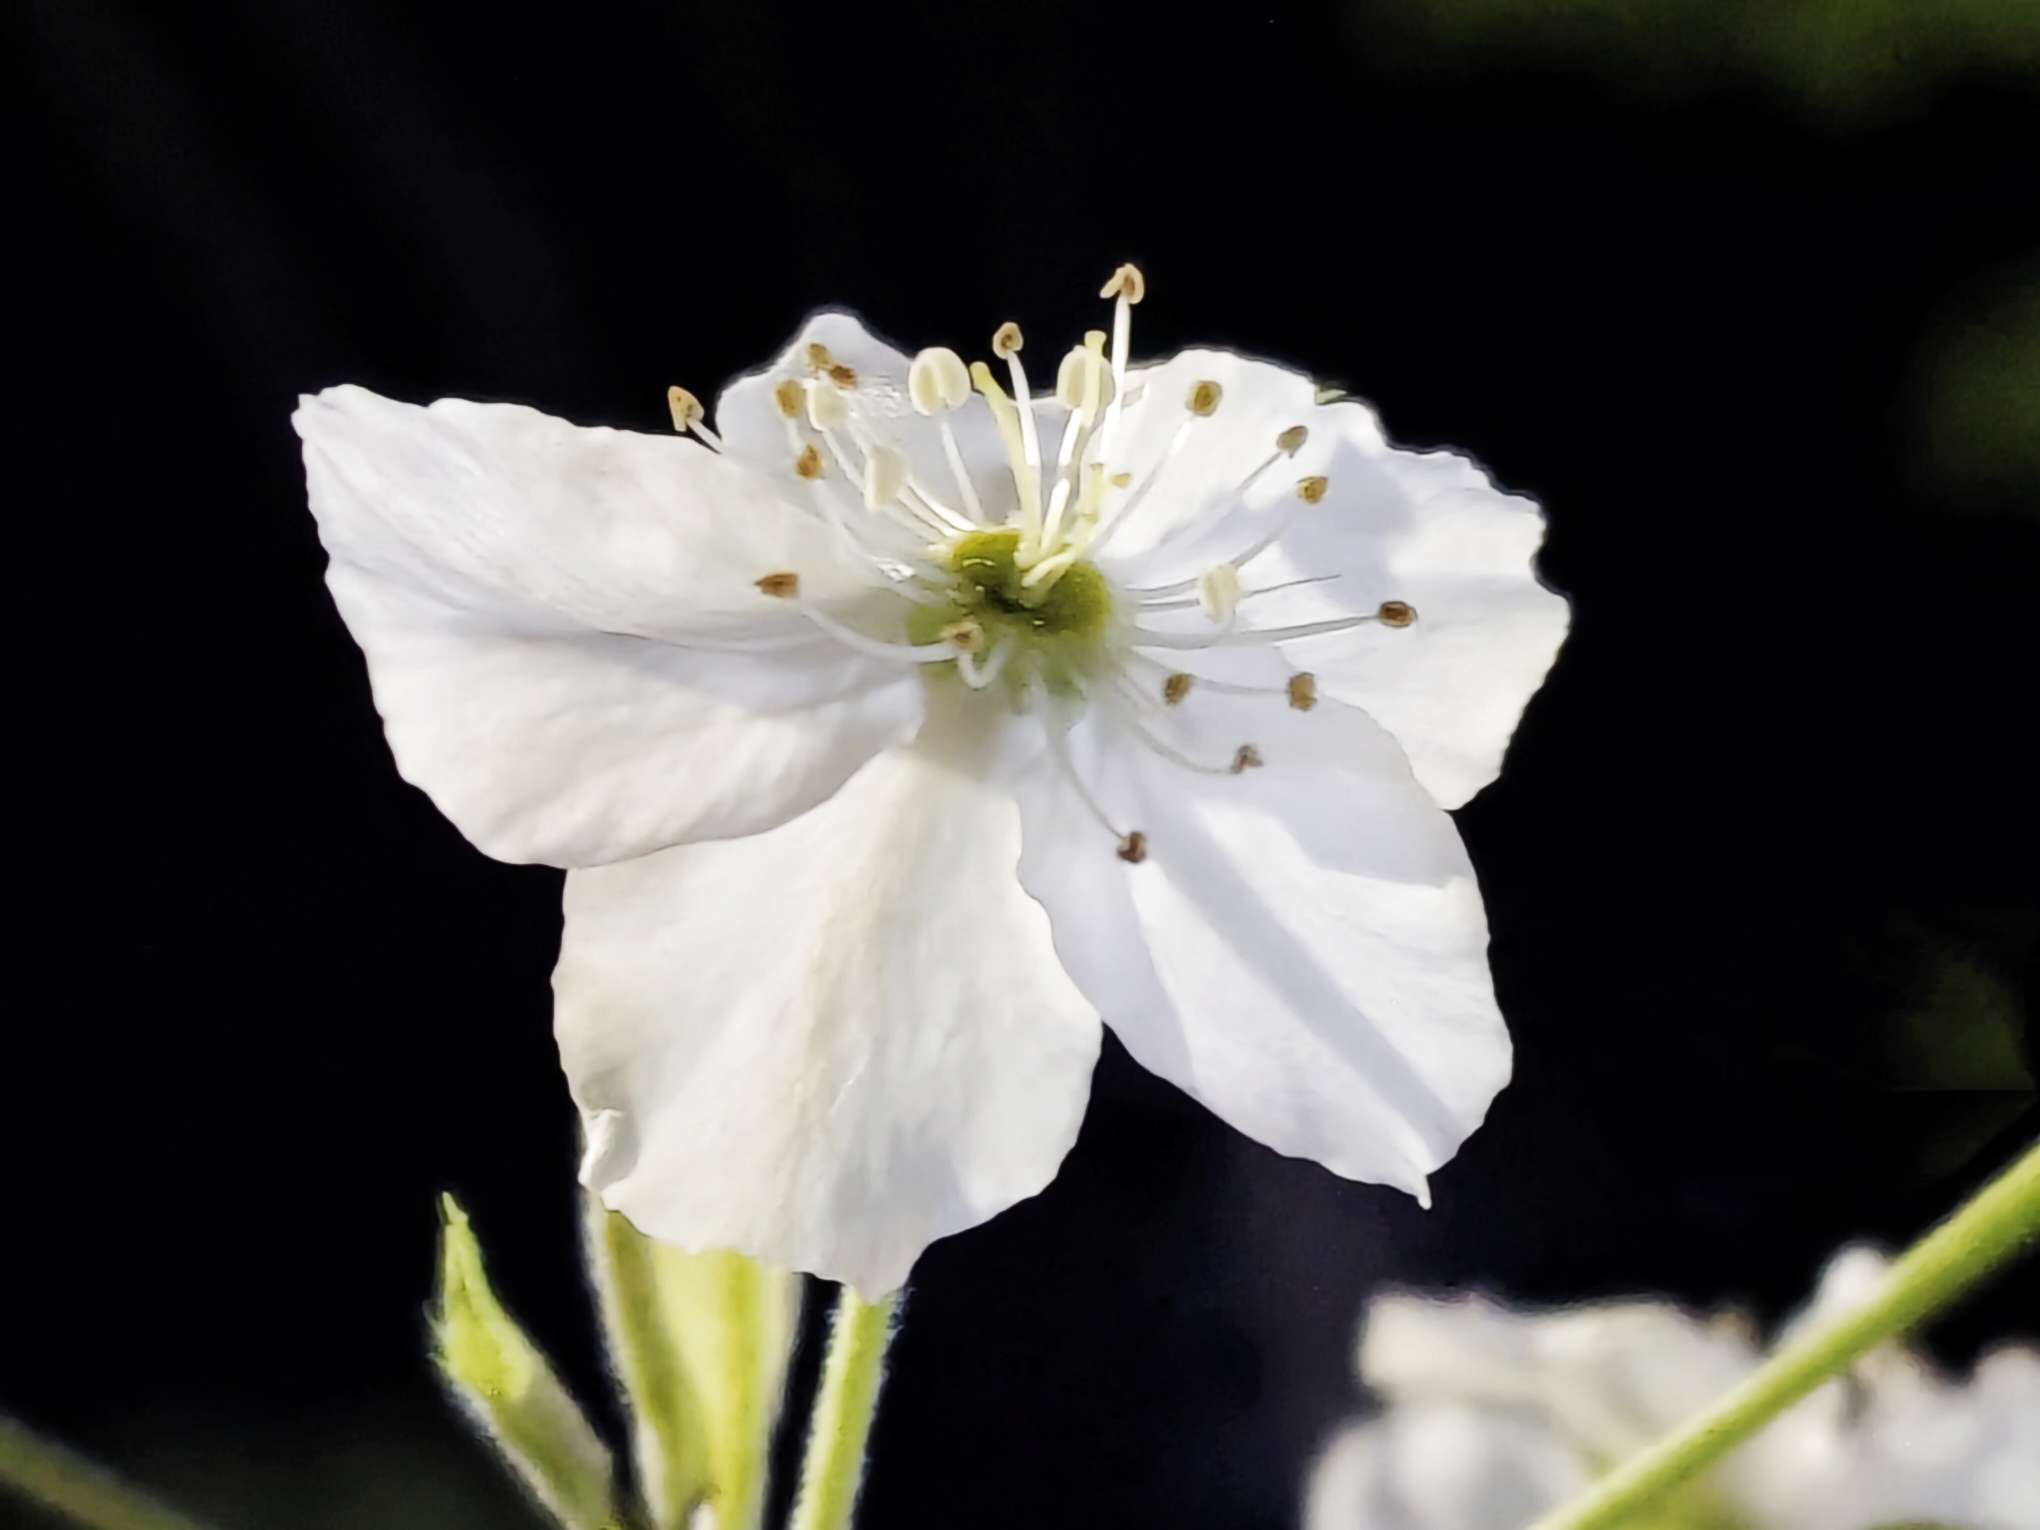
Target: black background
pixel 1774 807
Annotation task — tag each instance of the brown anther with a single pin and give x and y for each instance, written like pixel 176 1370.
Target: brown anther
pixel 809 463
pixel 818 357
pixel 1121 480
pixel 1204 397
pixel 1006 339
pixel 965 636
pixel 1303 691
pixel 1175 688
pixel 780 586
pixel 789 398
pixel 1395 613
pixel 1245 758
pixel 1128 280
pixel 1311 490
pixel 842 376
pixel 1133 848
pixel 1292 439
pixel 686 407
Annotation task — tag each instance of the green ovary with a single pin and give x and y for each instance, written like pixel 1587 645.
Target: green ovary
pixel 1059 633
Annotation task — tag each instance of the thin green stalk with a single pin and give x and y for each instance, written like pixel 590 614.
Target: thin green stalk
pixel 841 1426
pixel 1993 1227
pixel 58 1478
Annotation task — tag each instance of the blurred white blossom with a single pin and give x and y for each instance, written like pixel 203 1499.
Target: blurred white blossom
pixel 1492 1416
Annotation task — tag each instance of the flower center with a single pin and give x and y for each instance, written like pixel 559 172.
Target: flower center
pixel 1055 631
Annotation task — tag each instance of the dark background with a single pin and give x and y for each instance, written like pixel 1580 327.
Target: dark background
pixel 1761 869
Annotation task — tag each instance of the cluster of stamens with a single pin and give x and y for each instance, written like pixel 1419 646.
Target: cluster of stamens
pixel 1018 598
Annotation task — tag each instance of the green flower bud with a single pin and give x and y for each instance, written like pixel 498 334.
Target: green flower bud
pixel 510 1390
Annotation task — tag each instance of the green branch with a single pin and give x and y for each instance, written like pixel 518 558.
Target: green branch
pixel 1992 1228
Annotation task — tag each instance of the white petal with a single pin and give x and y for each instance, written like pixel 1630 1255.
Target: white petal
pixel 1303 949
pixel 1441 1466
pixel 578 749
pixel 828 1045
pixel 1179 528
pixel 1425 528
pixel 499 568
pixel 1428 529
pixel 553 527
pixel 753 429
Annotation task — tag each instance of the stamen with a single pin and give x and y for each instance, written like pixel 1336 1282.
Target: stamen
pixel 1176 687
pixel 1287 444
pixel 782 586
pixel 938 381
pixel 1329 395
pixel 1008 424
pixel 790 397
pixel 1246 758
pixel 818 357
pixel 1076 386
pixel 1148 600
pixel 1301 684
pixel 827 405
pixel 1396 613
pixel 1218 593
pixel 689 416
pixel 1048 568
pixel 1081 380
pixel 1126 282
pixel 842 376
pixel 978 677
pixel 961 474
pixel 877 542
pixel 1126 286
pixel 1006 343
pixel 1309 491
pixel 885 475
pixel 878 648
pixel 1132 846
pixel 966 636
pixel 1204 397
pixel 1132 501
pixel 1146 638
pixel 1163 747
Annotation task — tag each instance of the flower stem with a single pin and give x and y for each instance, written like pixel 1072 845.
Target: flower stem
pixel 1991 1228
pixel 841 1425
pixel 58 1478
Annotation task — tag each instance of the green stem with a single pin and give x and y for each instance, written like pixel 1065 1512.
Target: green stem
pixel 841 1426
pixel 1993 1227
pixel 58 1478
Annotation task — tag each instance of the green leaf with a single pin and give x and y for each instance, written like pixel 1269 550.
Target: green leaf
pixel 511 1391
pixel 701 1344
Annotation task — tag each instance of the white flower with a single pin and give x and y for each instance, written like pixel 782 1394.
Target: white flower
pixel 893 736
pixel 1494 1417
